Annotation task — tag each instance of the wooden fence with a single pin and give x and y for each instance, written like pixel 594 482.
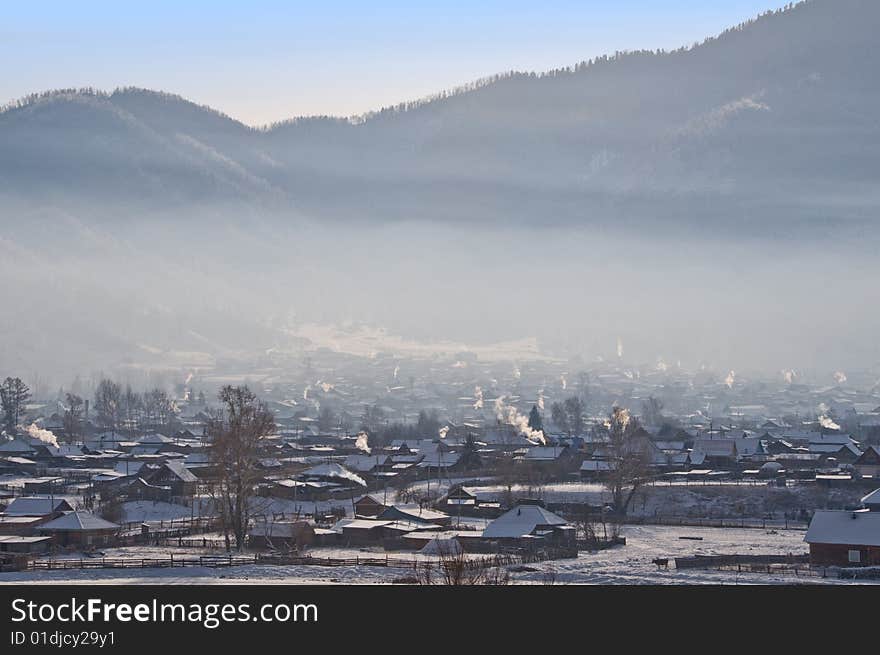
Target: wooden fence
pixel 216 561
pixel 685 521
pixel 715 561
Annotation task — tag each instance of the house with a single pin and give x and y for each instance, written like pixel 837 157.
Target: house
pixel 714 452
pixel 27 545
pixel 462 501
pixel 280 534
pixel 335 473
pixel 543 454
pixel 868 463
pixel 414 514
pixel 300 490
pixel 140 489
pixel 844 538
pixel 16 448
pixel 368 506
pixel 16 465
pixel 367 463
pixel 81 529
pixel 595 469
pixel 21 525
pixel 528 522
pixel 174 474
pixel 871 502
pixel 360 531
pixel 38 506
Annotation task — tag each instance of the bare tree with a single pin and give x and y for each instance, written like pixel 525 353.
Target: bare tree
pixel 131 405
pixel 574 410
pixel 326 419
pixel 652 411
pixel 108 404
pixel 560 417
pixel 455 569
pixel 14 395
pixel 73 412
pixel 627 453
pixel 235 435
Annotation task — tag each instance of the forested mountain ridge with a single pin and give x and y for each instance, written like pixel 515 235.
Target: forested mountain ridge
pixel 775 116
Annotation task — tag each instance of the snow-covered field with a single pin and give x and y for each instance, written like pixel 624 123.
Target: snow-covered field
pixel 630 564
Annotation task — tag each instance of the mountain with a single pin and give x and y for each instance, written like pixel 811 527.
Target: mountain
pixel 772 123
pixel 716 204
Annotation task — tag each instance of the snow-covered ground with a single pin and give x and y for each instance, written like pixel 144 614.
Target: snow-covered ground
pixel 140 511
pixel 630 564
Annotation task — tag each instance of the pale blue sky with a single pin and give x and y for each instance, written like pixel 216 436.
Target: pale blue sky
pixel 267 60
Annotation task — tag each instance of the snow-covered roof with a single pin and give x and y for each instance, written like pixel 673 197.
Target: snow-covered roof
pixel 825 448
pixel 872 498
pixel 831 438
pixel 154 439
pixel 179 470
pixel 15 446
pixel 36 506
pixel 364 463
pixel 127 467
pixel 78 522
pixel 334 471
pixel 521 521
pixel 64 450
pixel 595 465
pixel 844 528
pixel 544 453
pixel 438 459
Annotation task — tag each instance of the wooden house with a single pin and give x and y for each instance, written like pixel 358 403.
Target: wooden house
pixel 844 538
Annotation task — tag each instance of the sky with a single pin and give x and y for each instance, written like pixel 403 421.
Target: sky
pixel 266 60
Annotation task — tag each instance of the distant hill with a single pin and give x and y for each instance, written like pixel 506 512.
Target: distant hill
pixel 775 120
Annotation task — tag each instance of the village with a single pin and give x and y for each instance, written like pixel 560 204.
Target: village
pixel 451 471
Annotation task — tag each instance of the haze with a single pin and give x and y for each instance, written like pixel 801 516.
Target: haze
pixel 713 205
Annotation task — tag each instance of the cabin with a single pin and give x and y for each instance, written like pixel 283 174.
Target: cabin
pixel 368 505
pixel 595 469
pixel 414 514
pixel 38 506
pixel 80 529
pixel 333 473
pixel 175 475
pixel 280 534
pixel 140 489
pixel 529 525
pixel 16 448
pixel 15 465
pixel 360 531
pixel 867 465
pixel 844 538
pixel 43 485
pixel 22 526
pixel 871 502
pixel 24 545
pixel 462 501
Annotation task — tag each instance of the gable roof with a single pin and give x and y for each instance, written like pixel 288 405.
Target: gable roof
pixel 78 522
pixel 333 471
pixel 16 446
pixel 872 498
pixel 521 521
pixel 179 470
pixel 545 453
pixel 843 527
pixel 870 456
pixel 36 506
